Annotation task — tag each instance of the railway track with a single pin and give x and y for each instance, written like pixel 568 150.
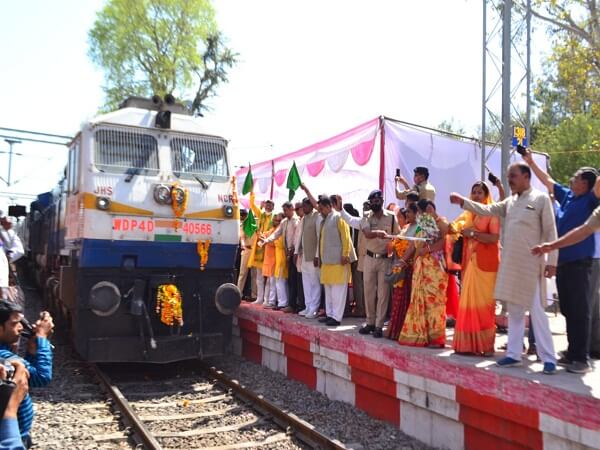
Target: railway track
pixel 213 413
pixel 186 405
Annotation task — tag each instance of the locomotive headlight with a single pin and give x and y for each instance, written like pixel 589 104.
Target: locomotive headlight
pixel 228 210
pixel 227 298
pixel 179 195
pixel 162 194
pixel 103 203
pixel 105 298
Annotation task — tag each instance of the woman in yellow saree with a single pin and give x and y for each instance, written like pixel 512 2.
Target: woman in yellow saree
pixel 425 322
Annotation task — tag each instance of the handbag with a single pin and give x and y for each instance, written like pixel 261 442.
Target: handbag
pixel 457 250
pixel 391 276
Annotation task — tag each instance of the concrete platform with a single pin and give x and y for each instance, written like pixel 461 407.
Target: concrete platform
pixel 445 400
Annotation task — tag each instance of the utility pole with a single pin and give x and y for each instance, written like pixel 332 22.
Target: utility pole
pixel 506 119
pixel 10 142
pixel 506 84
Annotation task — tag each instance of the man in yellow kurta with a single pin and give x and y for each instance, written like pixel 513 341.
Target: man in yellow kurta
pixel 335 255
pixel 246 243
pixel 257 254
pixel 278 297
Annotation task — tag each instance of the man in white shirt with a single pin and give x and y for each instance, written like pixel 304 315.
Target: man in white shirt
pixel 13 246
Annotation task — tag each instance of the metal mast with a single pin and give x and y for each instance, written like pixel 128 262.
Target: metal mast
pixel 506 77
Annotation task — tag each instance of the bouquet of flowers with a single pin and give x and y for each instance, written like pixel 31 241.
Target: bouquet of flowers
pixel 427 228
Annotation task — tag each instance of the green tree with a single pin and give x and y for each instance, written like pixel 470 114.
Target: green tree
pixel 571 81
pixel 160 47
pixel 451 126
pixel 567 125
pixel 573 143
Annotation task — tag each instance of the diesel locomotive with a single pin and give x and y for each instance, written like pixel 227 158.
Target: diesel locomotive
pixel 136 245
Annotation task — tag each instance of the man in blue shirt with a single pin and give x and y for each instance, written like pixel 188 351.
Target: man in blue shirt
pixel 10 438
pixel 38 359
pixel 574 272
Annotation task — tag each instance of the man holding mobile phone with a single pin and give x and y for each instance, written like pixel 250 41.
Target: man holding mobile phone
pixel 578 271
pixel 422 185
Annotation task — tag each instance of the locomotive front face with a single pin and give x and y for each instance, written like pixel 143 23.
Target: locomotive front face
pixel 153 229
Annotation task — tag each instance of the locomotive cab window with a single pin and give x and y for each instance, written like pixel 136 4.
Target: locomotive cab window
pixel 121 152
pixel 198 157
pixel 73 169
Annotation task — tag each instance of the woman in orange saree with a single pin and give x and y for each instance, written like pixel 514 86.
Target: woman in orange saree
pixel 475 328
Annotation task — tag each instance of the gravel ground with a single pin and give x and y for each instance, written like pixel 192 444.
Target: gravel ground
pixel 334 418
pixel 64 408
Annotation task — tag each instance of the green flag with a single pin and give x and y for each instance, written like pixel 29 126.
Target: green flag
pixel 249 225
pixel 248 182
pixel 293 181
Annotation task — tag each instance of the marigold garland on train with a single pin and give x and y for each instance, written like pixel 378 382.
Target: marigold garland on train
pixel 168 305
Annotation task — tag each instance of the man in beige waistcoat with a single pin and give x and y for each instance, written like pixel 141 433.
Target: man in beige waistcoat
pixel 529 221
pixel 307 251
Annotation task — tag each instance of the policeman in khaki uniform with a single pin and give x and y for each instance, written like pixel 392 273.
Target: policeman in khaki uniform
pixel 375 226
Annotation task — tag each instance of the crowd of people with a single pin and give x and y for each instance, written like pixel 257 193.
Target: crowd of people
pixel 25 350
pixel 412 273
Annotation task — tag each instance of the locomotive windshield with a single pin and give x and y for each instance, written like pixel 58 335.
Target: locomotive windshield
pixel 192 156
pixel 118 151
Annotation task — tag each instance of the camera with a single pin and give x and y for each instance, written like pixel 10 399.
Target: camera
pixel 27 331
pixel 6 386
pixel 9 368
pixel 521 150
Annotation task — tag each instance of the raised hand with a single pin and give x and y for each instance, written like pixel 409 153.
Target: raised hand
pixel 539 250
pixel 456 199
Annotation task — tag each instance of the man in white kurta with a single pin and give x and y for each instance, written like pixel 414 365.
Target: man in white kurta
pixel 3 273
pixel 529 220
pixel 307 251
pixel 11 241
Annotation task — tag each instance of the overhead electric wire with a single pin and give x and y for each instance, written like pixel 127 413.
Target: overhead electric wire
pixel 38 133
pixel 32 140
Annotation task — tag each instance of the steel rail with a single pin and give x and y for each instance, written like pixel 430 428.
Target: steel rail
pixel 145 436
pixel 302 430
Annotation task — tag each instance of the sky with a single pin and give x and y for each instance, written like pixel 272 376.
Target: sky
pixel 307 71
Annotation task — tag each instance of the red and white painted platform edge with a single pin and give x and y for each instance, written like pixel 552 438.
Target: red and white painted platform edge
pixel 445 400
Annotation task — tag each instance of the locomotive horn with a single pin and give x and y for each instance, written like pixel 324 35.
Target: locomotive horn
pixel 169 99
pixel 156 100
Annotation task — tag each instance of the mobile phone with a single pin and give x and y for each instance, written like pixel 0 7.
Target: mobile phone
pixel 366 206
pixel 493 178
pixel 521 150
pixel 397 172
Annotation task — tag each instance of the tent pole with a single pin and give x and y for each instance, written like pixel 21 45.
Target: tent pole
pixel 272 178
pixel 382 153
